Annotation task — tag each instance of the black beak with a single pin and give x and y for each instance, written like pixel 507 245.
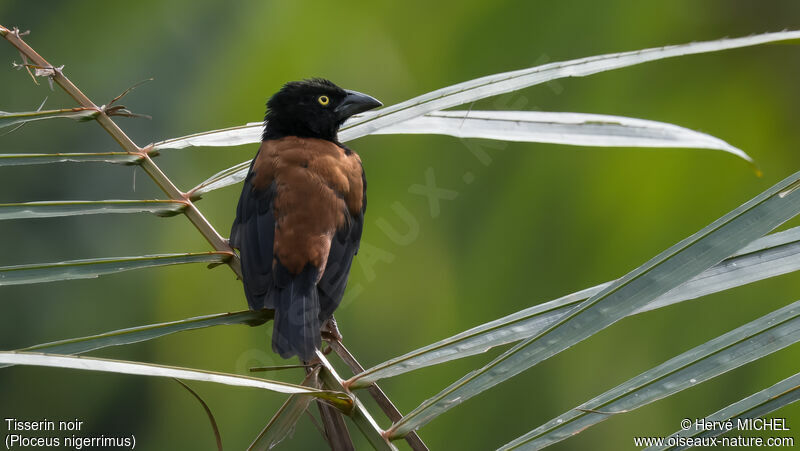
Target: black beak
pixel 354 103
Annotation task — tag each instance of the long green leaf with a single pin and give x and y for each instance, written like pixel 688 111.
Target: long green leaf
pixel 527 126
pixel 633 291
pixel 282 424
pixel 50 209
pixel 81 114
pixel 577 129
pixel 24 159
pixel 233 136
pixel 338 399
pixel 738 347
pixel 226 177
pixel 492 85
pixel 770 256
pixel 95 267
pixel 470 91
pixel 766 257
pixel 756 405
pixel 148 332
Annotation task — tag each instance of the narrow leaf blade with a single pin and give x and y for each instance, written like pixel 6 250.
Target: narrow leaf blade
pixel 501 83
pixel 95 267
pixel 770 256
pixel 233 136
pixel 282 424
pixel 151 331
pixel 633 291
pixel 738 347
pixel 51 209
pixel 576 129
pixel 756 405
pixel 25 159
pixel 496 84
pixel 81 114
pixel 226 177
pixel 338 399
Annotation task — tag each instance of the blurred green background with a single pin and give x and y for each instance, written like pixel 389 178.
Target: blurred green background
pixel 538 221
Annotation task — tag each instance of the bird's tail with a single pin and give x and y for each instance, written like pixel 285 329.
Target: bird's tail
pixel 297 325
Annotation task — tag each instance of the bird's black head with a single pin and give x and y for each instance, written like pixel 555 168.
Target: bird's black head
pixel 312 108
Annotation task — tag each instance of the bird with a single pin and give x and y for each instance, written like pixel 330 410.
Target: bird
pixel 300 215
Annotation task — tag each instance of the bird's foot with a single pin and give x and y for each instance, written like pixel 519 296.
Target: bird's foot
pixel 330 331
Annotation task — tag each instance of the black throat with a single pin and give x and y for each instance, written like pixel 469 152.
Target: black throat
pixel 276 127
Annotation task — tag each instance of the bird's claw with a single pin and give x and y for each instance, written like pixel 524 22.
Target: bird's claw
pixel 330 331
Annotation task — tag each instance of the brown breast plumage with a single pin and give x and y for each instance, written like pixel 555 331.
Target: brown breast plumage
pixel 316 184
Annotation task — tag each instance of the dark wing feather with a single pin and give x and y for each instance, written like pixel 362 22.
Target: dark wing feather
pixel 344 247
pixel 253 233
pixel 297 323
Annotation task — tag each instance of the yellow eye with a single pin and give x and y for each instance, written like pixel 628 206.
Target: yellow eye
pixel 323 100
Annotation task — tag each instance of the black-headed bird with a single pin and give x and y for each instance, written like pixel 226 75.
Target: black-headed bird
pixel 301 212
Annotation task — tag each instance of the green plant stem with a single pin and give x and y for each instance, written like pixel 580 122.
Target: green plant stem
pixel 148 165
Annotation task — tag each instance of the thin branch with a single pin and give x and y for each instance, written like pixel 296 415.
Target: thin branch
pixel 334 429
pixel 359 414
pixel 207 409
pixel 383 401
pixel 125 92
pixel 195 216
pixel 276 368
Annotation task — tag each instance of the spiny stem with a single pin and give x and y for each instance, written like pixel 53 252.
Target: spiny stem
pixel 195 216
